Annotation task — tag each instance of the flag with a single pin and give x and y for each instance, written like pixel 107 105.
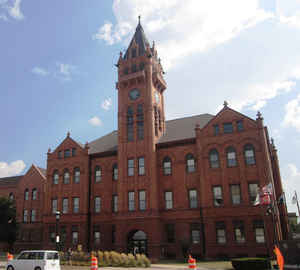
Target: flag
pixel 280 259
pixel 262 198
pixel 294 199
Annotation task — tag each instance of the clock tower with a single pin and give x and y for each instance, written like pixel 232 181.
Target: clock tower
pixel 141 123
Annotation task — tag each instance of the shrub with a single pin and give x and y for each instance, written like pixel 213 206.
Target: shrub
pixel 131 260
pixel 145 260
pixel 107 259
pixel 124 260
pixel 250 263
pixel 115 258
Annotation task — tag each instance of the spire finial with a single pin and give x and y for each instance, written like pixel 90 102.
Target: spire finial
pixel 258 115
pixel 68 134
pixel 139 19
pixel 225 104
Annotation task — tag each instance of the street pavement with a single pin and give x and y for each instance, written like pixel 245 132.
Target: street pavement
pixel 153 267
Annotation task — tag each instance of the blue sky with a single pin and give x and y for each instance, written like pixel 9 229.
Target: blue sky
pixel 57 70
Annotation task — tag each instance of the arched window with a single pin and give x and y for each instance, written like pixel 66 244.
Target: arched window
pixel 214 158
pixel 11 196
pixel 66 176
pixel 231 157
pixel 26 194
pixel 190 163
pixel 129 124
pixel 34 194
pixel 76 175
pixel 167 166
pixel 115 171
pixel 55 177
pixel 140 122
pixel 249 154
pixel 98 174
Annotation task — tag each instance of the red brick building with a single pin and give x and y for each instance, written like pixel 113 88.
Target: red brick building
pixel 162 187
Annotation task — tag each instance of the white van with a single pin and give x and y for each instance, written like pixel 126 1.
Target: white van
pixel 35 260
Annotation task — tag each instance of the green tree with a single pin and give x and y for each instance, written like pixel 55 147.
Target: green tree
pixel 8 225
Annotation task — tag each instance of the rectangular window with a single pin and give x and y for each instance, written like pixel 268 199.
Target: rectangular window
pixel 235 194
pixel 131 204
pixel 195 233
pixel 218 196
pixel 240 125
pixel 76 205
pixel 74 235
pixel 221 232
pixel 228 128
pixel 115 203
pixel 239 231
pixel 67 153
pixel 193 198
pixel 253 191
pixel 141 164
pixel 54 206
pixel 259 231
pixel 170 233
pixel 130 167
pixel 59 154
pixel 115 172
pixel 33 215
pixel 169 199
pixel 130 132
pixel 65 208
pixel 97 237
pixel 25 215
pixel 73 152
pixel 97 204
pixel 142 200
pixel 216 130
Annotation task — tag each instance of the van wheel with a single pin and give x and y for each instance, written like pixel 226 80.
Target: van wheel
pixel 9 268
pixel 37 268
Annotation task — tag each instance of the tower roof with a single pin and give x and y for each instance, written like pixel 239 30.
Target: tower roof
pixel 140 39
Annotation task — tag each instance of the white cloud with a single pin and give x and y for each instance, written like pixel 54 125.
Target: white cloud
pixel 95 121
pixel 14 168
pixel 290 181
pixel 40 71
pixel 106 104
pixel 183 27
pixel 11 8
pixel 292 116
pixel 65 71
pixel 15 10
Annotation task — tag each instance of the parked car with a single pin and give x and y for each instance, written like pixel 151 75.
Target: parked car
pixel 35 260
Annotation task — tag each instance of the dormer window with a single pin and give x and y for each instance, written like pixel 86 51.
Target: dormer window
pixel 73 152
pixel 59 154
pixel 67 153
pixel 239 125
pixel 216 130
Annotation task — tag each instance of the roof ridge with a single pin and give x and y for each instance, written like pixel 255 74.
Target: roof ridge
pixel 190 116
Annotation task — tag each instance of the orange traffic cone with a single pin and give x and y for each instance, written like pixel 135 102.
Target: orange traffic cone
pixel 192 263
pixel 9 256
pixel 94 263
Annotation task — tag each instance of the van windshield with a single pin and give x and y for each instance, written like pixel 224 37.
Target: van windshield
pixel 52 256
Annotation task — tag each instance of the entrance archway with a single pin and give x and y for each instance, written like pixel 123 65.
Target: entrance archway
pixel 137 242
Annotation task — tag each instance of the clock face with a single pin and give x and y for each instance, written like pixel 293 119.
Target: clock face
pixel 134 94
pixel 157 97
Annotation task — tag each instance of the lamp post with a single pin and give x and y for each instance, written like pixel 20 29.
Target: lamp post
pixel 57 216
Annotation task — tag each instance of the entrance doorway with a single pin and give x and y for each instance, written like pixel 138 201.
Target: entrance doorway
pixel 137 242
